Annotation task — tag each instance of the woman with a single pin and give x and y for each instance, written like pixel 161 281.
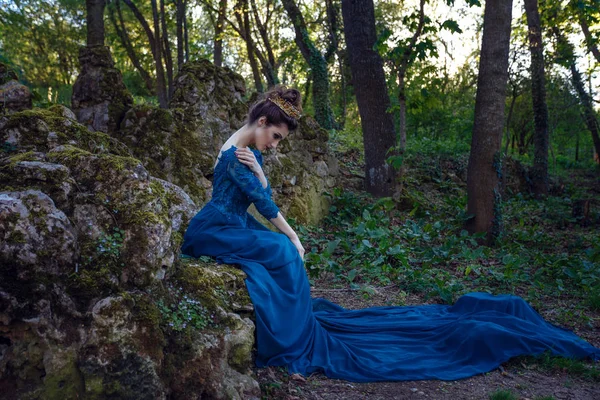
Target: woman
pixel 475 335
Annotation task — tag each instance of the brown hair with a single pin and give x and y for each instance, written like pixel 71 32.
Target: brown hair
pixel 274 114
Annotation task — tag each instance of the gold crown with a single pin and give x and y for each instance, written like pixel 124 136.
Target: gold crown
pixel 285 106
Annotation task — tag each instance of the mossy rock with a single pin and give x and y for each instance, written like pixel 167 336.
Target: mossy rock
pixel 40 130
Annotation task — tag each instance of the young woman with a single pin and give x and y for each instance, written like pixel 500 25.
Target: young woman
pixel 307 335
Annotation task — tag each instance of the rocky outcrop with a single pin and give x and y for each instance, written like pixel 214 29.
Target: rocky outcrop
pixel 100 98
pixel 94 300
pixel 181 144
pixel 14 96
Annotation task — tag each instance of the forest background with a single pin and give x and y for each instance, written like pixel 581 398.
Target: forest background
pixel 548 247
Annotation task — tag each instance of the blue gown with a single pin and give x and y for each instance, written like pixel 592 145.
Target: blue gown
pixel 473 336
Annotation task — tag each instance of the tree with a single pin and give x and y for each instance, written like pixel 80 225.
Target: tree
pixel 95 22
pixel 123 34
pixel 219 30
pixel 42 40
pixel 154 39
pixel 567 58
pixel 484 168
pixel 370 88
pixel 539 175
pixel 318 66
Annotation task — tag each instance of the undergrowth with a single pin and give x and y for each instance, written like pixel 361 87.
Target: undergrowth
pixel 421 245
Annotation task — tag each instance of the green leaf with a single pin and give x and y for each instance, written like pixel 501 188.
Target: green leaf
pixel 331 246
pixel 352 274
pixel 452 26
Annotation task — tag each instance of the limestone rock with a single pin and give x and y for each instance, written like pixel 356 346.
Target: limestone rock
pixel 92 290
pixel 100 98
pixel 14 96
pixel 30 225
pixel 181 144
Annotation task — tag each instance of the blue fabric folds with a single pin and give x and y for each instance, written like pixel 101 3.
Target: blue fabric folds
pixel 473 336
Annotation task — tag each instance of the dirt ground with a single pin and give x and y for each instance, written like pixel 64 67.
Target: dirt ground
pixel 524 381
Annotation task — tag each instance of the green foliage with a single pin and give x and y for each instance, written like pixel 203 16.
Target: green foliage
pixel 108 246
pixel 181 311
pixel 503 395
pixel 419 245
pixel 548 362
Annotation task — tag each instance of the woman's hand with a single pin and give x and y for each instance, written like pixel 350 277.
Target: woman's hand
pixel 296 242
pixel 247 157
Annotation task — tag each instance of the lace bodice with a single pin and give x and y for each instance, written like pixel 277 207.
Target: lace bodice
pixel 235 187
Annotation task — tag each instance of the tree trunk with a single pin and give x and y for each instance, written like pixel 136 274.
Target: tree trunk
pixel 588 108
pixel 161 89
pixel 371 95
pixel 539 173
pixel 95 22
pixel 513 100
pixel 569 58
pixel 318 66
pixel 402 103
pixel 484 169
pixel 180 7
pixel 126 42
pixel 403 64
pixel 154 40
pixel 246 33
pixel 185 32
pixel 219 29
pixel 167 50
pixel 269 64
pixel 588 37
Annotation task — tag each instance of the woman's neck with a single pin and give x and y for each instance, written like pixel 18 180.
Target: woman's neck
pixel 243 137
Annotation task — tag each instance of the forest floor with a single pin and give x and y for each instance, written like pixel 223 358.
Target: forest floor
pixel 549 256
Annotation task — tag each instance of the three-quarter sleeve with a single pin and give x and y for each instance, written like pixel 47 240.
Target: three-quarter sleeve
pixel 250 185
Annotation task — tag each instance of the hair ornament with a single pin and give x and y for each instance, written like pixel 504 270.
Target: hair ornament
pixel 285 106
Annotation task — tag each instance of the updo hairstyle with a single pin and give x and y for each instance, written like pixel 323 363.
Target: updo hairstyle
pixel 274 114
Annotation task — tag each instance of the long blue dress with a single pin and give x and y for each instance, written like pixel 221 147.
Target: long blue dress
pixel 473 336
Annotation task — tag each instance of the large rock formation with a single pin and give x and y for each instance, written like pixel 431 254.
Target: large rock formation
pixel 181 144
pixel 14 96
pixel 94 301
pixel 100 98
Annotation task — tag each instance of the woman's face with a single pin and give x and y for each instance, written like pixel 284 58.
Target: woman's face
pixel 269 136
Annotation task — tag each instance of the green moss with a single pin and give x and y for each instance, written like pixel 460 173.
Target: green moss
pixel 214 286
pixel 34 126
pixel 94 388
pixel 16 237
pixel 66 383
pixel 27 156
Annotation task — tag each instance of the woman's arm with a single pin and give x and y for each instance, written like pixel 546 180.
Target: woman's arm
pixel 247 157
pixel 285 228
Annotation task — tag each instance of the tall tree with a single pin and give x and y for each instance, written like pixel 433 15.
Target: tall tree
pixel 219 30
pixel 317 63
pixel 123 34
pixel 163 97
pixel 242 14
pixel 95 22
pixel 538 94
pixel 166 49
pixel 567 58
pixel 154 39
pixel 180 11
pixel 584 11
pixel 370 88
pixel 484 169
